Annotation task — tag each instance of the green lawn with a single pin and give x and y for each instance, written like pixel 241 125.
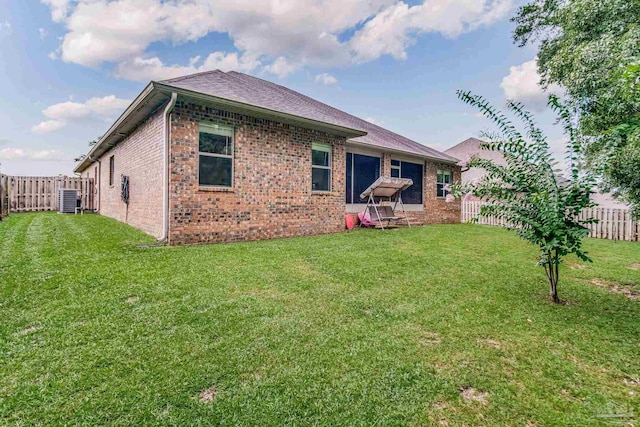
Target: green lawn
pixel 364 328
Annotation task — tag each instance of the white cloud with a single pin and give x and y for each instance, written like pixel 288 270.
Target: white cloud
pixel 326 79
pixel 276 36
pixel 95 108
pixel 43 33
pixel 394 29
pixel 282 67
pixel 523 84
pixel 108 106
pixel 5 29
pixel 47 126
pixel 59 9
pixel 140 69
pixel 13 153
pixel 66 111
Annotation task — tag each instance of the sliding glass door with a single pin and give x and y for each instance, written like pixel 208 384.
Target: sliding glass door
pixel 361 172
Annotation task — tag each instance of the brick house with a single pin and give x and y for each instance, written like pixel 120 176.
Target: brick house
pixel 220 157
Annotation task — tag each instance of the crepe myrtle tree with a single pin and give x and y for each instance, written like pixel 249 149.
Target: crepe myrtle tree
pixel 525 192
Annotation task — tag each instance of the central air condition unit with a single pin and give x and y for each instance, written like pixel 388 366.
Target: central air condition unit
pixel 67 200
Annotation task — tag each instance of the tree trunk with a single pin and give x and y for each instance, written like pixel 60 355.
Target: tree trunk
pixel 553 293
pixel 551 268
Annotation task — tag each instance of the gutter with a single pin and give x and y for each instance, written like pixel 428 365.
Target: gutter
pixel 165 177
pixel 97 184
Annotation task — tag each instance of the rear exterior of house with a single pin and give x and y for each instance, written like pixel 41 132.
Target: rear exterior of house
pixel 223 157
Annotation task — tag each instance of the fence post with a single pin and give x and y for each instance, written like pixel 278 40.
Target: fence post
pixel 4 196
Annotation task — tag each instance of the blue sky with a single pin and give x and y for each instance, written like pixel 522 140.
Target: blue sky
pixel 70 67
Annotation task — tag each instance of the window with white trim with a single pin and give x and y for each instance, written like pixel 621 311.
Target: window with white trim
pixel 413 171
pixel 320 167
pixel 215 155
pixel 442 181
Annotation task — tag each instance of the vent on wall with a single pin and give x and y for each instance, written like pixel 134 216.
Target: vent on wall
pixel 67 200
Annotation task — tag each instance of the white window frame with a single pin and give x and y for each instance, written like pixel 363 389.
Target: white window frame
pixel 222 130
pixel 326 148
pixel 394 167
pixel 440 172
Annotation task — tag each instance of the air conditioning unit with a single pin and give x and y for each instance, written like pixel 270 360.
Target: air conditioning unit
pixel 67 200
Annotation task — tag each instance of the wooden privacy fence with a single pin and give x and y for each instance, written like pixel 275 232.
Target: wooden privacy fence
pixel 614 224
pixel 40 193
pixel 4 196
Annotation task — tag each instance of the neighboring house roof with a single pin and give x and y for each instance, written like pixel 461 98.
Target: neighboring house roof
pixel 244 91
pixel 471 147
pixel 606 200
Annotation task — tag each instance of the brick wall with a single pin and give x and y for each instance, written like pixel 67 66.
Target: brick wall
pixel 436 210
pixel 271 195
pixel 140 157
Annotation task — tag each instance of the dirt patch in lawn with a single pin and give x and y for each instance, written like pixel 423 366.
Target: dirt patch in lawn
pixel 441 405
pixel 132 300
pixel 631 382
pixel 470 394
pixel 258 293
pixel 430 338
pixel 628 290
pixel 27 331
pixel 490 342
pixel 634 266
pixel 207 396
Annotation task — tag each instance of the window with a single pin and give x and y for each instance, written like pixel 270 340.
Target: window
pixel 413 171
pixel 395 168
pixel 215 155
pixel 361 172
pixel 443 178
pixel 112 168
pixel 320 167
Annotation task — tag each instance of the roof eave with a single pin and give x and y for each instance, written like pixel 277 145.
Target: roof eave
pixel 340 130
pixel 453 160
pixel 112 131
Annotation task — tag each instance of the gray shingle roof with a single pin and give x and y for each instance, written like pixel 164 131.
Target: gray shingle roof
pixel 261 93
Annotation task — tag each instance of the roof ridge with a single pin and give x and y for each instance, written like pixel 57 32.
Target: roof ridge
pixel 188 76
pixel 471 139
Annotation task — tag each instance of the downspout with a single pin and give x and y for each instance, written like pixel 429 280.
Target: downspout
pixel 165 178
pixel 97 184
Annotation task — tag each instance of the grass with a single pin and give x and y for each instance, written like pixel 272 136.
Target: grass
pixel 438 324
